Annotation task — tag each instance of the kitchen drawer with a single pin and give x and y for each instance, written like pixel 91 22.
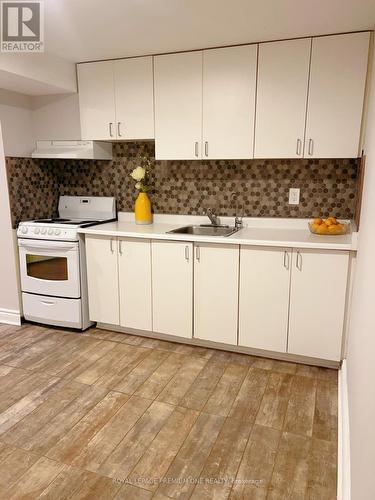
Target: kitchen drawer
pixel 52 310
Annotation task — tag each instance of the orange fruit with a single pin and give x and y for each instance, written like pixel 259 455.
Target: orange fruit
pixel 332 219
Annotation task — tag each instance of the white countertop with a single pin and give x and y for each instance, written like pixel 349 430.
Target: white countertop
pixel 292 233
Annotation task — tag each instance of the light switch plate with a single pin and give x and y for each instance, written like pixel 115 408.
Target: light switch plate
pixel 294 196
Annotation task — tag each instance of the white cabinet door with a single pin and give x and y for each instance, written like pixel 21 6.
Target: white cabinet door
pixel 336 93
pixel 216 292
pixel 96 100
pixel 172 287
pixel 178 106
pixel 264 298
pixel 134 96
pixel 102 278
pixel 283 73
pixel 134 258
pixel 229 83
pixel 317 303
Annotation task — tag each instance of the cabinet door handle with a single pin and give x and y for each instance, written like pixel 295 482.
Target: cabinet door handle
pixel 311 147
pixel 187 253
pixel 111 245
pixel 110 129
pixel 286 259
pixel 197 253
pixel 120 247
pixel 299 144
pixel 119 129
pixel 196 149
pixel 299 261
pixel 206 148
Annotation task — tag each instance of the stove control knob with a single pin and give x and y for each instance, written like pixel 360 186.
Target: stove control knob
pixel 57 232
pixel 50 231
pixel 36 230
pixel 24 230
pixel 43 230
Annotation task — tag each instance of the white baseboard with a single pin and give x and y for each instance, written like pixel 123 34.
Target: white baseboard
pixel 343 455
pixel 10 317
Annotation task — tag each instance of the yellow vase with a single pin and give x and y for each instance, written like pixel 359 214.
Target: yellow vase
pixel 142 209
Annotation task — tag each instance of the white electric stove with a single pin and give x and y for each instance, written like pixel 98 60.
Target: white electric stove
pixel 53 264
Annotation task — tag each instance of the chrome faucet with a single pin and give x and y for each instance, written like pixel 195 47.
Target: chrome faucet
pixel 212 216
pixel 237 220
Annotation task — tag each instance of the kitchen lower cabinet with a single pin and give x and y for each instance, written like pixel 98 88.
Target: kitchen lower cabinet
pixel 102 279
pixel 134 278
pixel 216 268
pixel 172 287
pixel 264 298
pixel 317 303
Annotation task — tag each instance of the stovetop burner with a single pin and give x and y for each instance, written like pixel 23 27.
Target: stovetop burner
pixel 52 221
pixel 65 221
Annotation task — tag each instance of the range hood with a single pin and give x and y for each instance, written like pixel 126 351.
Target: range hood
pixel 84 150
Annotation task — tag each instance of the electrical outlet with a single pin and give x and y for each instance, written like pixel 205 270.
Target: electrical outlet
pixel 294 196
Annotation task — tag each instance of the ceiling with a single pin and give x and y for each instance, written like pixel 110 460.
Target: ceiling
pixel 83 30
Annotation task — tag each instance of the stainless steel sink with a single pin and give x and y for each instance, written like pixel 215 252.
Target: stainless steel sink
pixel 205 230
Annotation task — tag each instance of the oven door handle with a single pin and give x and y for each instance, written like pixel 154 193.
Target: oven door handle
pixel 51 245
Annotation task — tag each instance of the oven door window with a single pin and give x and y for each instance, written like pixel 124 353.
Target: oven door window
pixel 47 268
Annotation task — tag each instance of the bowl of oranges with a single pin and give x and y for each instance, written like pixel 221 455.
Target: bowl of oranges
pixel 330 226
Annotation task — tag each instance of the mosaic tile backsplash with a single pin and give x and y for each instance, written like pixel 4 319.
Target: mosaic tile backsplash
pixel 187 187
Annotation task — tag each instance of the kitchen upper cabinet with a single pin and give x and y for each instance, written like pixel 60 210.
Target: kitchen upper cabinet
pixel 96 100
pixel 216 268
pixel 172 291
pixel 134 97
pixel 264 298
pixel 283 73
pixel 336 94
pixel 102 278
pixel 116 99
pixel 317 303
pixel 229 83
pixel 178 106
pixel 134 264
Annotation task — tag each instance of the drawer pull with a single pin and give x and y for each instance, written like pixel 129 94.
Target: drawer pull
pixel 299 261
pixel 286 259
pixel 311 147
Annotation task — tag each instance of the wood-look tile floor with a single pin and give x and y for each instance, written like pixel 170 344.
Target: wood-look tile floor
pixel 108 415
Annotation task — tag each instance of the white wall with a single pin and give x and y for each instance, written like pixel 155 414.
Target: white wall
pixel 9 294
pixel 56 117
pixel 361 342
pixel 16 123
pixel 37 74
pixel 25 119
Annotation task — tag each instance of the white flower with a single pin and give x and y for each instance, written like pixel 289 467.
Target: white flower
pixel 138 173
pixel 138 185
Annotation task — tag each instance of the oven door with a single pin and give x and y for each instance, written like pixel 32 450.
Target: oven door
pixel 50 267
